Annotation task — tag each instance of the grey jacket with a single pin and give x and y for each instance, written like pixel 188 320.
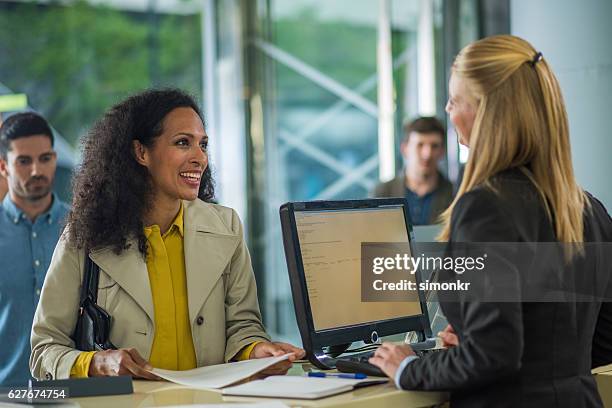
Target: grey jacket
pixel 442 198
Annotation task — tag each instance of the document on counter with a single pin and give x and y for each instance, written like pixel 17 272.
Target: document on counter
pixel 220 375
pixel 288 386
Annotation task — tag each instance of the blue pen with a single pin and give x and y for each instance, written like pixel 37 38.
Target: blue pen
pixel 356 376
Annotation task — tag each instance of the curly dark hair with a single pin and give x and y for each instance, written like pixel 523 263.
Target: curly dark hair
pixel 111 190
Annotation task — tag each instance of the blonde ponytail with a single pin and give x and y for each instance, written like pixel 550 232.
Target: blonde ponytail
pixel 520 122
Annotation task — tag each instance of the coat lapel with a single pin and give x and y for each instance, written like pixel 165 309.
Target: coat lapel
pixel 209 246
pixel 129 270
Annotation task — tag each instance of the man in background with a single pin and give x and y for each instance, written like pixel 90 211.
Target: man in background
pixel 427 191
pixel 31 220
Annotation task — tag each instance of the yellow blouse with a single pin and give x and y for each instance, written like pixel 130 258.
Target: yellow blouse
pixel 172 344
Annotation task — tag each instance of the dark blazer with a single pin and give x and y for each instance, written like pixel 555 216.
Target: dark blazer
pixel 443 195
pixel 518 354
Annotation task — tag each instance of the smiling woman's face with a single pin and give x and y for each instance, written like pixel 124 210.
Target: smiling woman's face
pixel 178 157
pixel 461 107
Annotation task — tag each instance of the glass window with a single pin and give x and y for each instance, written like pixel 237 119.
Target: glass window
pixel 316 74
pixel 74 61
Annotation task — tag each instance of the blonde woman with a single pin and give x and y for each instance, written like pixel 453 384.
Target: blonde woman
pixel 519 186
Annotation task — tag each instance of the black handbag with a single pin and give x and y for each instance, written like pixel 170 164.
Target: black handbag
pixel 93 322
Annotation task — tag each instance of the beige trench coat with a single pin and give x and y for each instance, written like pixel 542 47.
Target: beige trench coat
pixel 222 296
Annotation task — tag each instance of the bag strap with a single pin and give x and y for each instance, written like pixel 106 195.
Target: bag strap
pixel 89 288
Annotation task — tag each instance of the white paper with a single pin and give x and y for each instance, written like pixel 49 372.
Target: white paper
pixel 220 375
pixel 294 387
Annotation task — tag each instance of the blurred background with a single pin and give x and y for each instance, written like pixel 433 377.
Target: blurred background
pixel 303 99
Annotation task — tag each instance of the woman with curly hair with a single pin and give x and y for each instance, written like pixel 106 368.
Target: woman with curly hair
pixel 175 273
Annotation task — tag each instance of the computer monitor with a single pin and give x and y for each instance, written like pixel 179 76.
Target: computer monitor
pixel 322 241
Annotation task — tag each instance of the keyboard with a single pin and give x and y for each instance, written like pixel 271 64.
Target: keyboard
pixel 351 366
pixel 360 364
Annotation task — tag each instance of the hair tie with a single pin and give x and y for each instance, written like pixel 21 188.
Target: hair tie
pixel 536 58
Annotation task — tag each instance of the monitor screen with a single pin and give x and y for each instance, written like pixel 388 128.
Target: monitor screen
pixel 330 245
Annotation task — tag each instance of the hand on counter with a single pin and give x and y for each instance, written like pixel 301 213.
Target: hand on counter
pixel 120 362
pixel 271 349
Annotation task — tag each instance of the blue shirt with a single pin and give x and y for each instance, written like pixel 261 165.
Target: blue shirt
pixel 420 207
pixel 25 253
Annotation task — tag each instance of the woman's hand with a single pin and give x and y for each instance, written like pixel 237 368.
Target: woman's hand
pixel 449 337
pixel 274 349
pixel 120 362
pixel 389 356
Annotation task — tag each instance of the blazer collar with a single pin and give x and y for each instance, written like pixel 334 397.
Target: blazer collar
pixel 129 270
pixel 209 244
